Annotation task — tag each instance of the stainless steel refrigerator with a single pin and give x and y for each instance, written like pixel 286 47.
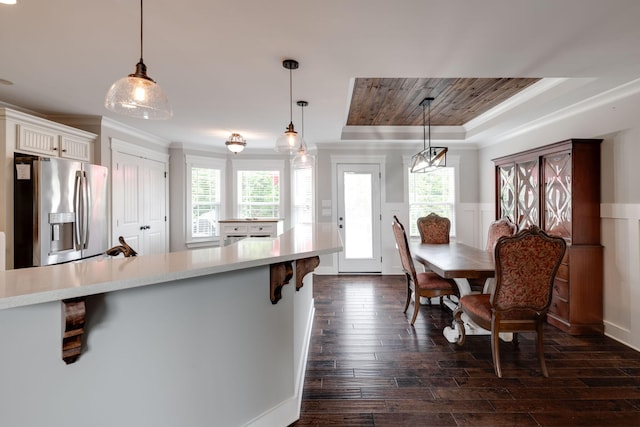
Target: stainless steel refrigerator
pixel 60 210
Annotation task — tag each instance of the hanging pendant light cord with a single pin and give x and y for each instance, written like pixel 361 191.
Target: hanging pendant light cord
pixel 429 128
pixel 424 131
pixel 141 30
pixel 290 96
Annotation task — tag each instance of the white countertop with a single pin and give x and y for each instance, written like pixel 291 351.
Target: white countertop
pixel 105 274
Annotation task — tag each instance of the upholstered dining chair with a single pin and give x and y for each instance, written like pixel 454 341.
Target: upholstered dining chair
pixel 434 229
pixel 424 284
pixel 526 264
pixel 498 228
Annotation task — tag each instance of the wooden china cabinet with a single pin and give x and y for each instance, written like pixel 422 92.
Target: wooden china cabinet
pixel 557 187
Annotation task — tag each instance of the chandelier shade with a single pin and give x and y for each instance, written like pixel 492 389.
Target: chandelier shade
pixel 236 143
pixel 290 140
pixel 431 158
pixel 138 95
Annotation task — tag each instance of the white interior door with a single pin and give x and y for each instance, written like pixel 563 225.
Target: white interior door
pixel 127 200
pixel 359 218
pixel 154 202
pixel 139 203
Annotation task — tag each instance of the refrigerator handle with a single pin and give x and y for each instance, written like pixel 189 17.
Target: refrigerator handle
pixel 77 195
pixel 86 203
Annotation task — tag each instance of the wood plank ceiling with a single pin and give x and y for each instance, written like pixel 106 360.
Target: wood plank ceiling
pixel 396 101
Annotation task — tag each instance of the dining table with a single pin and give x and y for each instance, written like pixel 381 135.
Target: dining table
pixel 460 262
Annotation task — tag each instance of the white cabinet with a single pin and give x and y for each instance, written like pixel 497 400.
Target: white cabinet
pixel 54 141
pixel 234 229
pixel 139 203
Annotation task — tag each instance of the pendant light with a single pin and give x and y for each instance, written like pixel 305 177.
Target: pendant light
pixel 236 143
pixel 302 159
pixel 137 95
pixel 429 159
pixel 290 140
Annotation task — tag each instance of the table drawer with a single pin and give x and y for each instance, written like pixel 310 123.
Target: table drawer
pixel 234 229
pixel 262 229
pixel 559 307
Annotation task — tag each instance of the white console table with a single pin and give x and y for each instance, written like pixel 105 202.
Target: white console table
pixel 236 229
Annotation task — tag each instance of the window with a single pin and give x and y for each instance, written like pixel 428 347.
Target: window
pixel 302 196
pixel 258 188
pixel 204 187
pixel 431 192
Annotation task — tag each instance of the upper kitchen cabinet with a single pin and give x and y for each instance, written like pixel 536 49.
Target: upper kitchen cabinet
pixel 557 188
pixel 34 135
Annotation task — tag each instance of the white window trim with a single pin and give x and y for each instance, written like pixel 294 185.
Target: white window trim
pixel 258 165
pixel 201 162
pixel 453 161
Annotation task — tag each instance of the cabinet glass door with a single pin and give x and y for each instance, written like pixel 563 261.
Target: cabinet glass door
pixel 528 194
pixel 507 186
pixel 557 194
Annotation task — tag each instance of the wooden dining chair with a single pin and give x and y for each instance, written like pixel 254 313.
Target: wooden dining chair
pixel 526 265
pixel 434 229
pixel 424 284
pixel 498 228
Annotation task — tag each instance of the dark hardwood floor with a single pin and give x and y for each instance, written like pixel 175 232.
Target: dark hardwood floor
pixel 368 367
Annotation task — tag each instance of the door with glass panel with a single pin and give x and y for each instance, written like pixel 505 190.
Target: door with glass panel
pixel 359 218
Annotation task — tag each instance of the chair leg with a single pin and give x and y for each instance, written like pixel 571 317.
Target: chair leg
pixel 543 365
pixel 495 347
pixel 406 306
pixel 416 308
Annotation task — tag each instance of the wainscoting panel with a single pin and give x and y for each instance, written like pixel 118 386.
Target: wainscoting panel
pixel 621 241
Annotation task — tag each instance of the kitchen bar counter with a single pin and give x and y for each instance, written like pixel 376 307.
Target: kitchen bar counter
pixel 193 338
pixel 104 274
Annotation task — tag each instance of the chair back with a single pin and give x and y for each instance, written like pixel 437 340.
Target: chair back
pixel 403 247
pixel 526 266
pixel 434 229
pixel 502 227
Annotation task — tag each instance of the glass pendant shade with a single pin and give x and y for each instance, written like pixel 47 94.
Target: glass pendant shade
pixel 289 141
pixel 303 159
pixel 138 95
pixel 236 143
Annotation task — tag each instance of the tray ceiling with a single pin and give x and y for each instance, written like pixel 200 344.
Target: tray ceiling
pixel 396 101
